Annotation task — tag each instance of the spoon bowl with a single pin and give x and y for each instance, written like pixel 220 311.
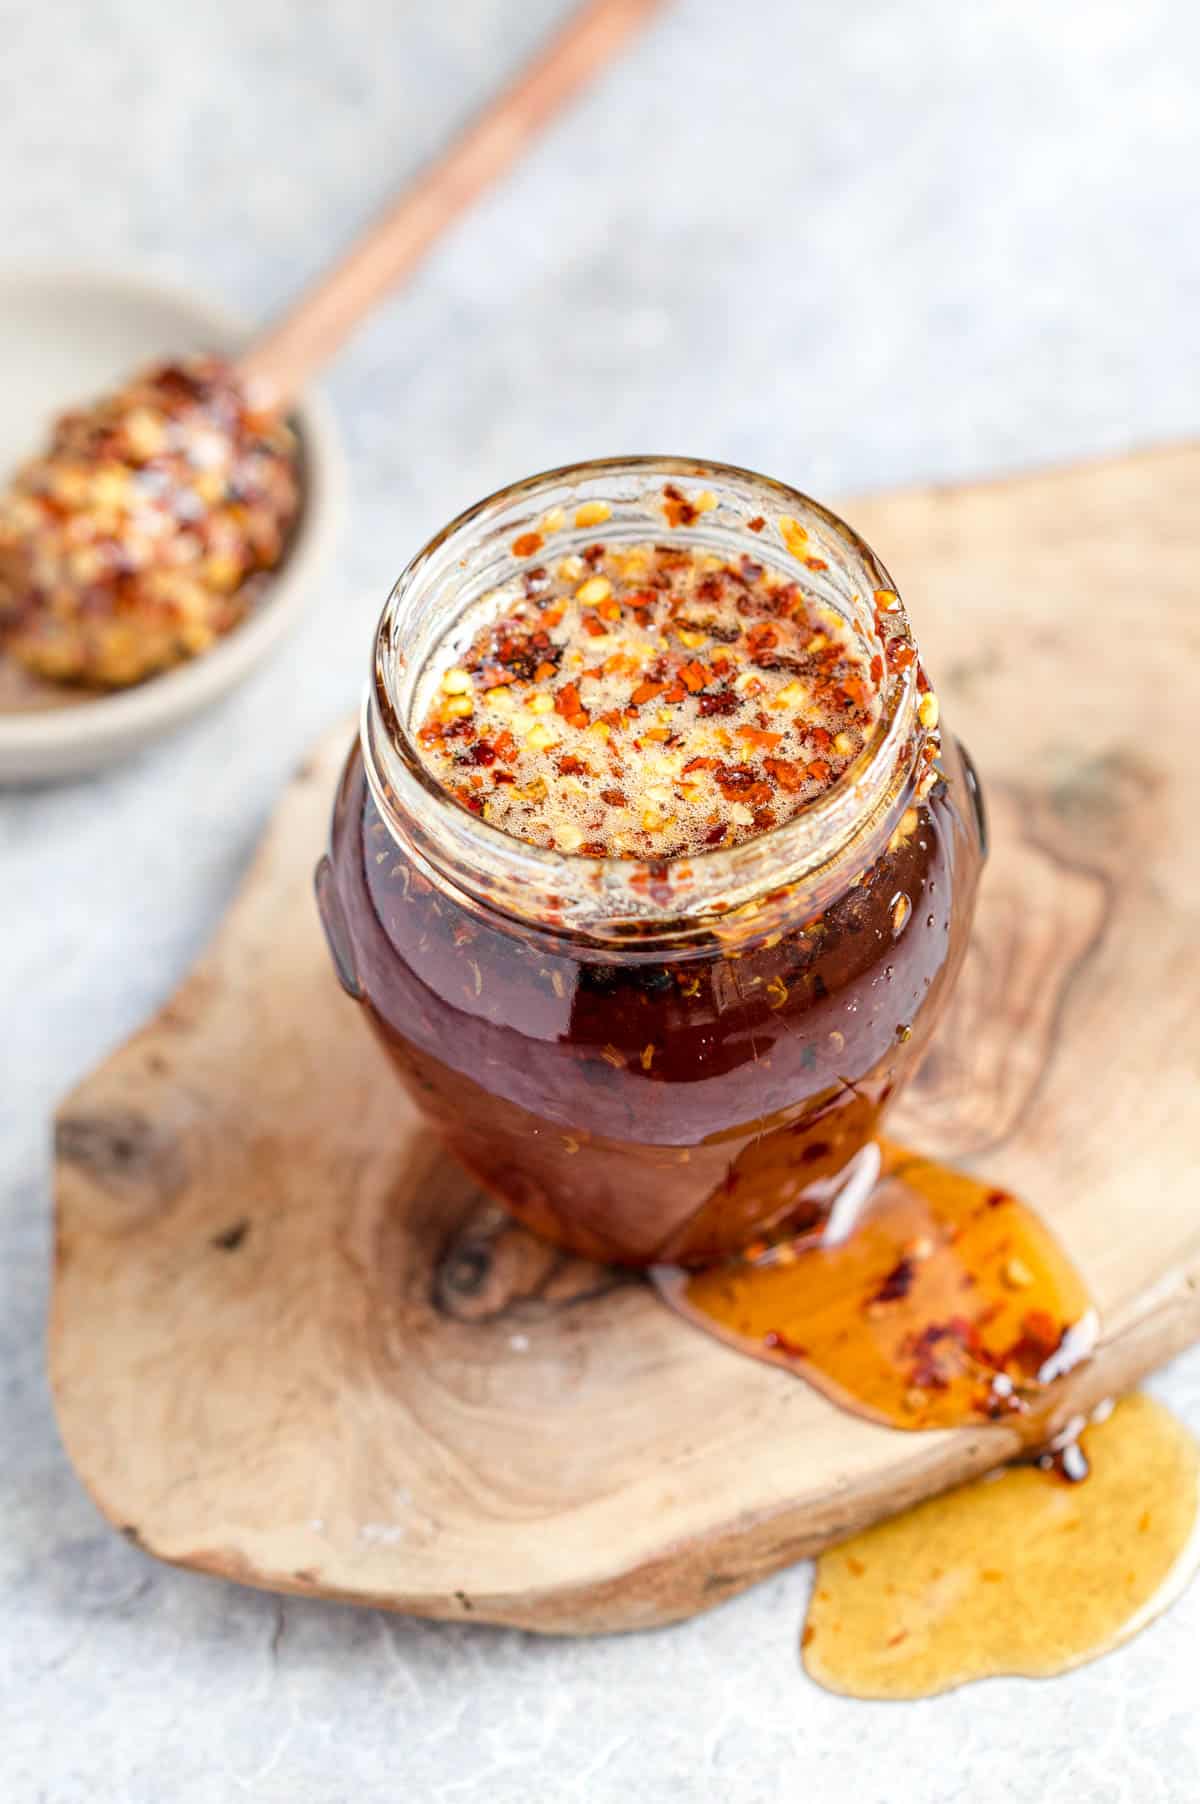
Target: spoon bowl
pixel 66 336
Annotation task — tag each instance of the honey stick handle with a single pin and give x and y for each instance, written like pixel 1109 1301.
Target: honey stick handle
pixel 294 347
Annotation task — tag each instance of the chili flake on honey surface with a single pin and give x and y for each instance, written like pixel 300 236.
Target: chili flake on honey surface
pixel 645 701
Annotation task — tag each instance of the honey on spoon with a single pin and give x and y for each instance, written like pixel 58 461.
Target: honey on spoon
pixel 143 532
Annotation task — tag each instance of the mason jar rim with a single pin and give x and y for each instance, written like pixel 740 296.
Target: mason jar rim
pixel 611 899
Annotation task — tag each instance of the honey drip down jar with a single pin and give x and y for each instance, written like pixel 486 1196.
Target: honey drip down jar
pixel 643 1060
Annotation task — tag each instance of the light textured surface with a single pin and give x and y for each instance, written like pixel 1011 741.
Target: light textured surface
pixel 854 246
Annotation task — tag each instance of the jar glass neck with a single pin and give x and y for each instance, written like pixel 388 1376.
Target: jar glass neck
pixel 621 901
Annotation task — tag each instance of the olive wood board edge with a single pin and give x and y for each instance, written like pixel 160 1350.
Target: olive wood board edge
pixel 290 1344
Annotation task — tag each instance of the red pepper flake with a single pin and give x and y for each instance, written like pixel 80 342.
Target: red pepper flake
pixel 526 543
pixel 788 775
pixel 721 701
pixel 646 692
pixel 735 779
pixel 898 1283
pixel 1040 1336
pixel 877 669
pixel 941 1351
pixel 900 654
pixel 816 563
pixel 568 704
pixel 739 784
pixel 756 737
pixel 678 510
pixel 777 1341
pixel 755 525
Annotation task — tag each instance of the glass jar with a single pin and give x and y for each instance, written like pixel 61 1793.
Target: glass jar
pixel 649 1061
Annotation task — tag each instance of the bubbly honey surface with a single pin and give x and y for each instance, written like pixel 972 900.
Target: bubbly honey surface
pixel 948 1301
pixel 647 701
pixel 1021 1573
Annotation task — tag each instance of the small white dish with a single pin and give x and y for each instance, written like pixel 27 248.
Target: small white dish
pixel 67 335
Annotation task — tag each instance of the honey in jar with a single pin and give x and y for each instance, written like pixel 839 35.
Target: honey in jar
pixel 654 864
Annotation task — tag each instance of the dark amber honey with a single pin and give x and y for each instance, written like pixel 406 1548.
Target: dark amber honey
pixel 640 1109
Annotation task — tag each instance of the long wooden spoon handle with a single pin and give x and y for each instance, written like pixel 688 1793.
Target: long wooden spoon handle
pixel 281 361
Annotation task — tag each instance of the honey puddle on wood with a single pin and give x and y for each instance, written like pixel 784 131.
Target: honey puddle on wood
pixel 1021 1573
pixel 948 1302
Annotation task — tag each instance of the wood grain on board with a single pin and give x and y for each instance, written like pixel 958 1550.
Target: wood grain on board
pixel 292 1345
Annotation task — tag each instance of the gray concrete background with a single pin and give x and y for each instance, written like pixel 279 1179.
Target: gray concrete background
pixel 854 245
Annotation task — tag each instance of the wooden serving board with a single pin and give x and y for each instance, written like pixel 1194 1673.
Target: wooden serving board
pixel 292 1345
